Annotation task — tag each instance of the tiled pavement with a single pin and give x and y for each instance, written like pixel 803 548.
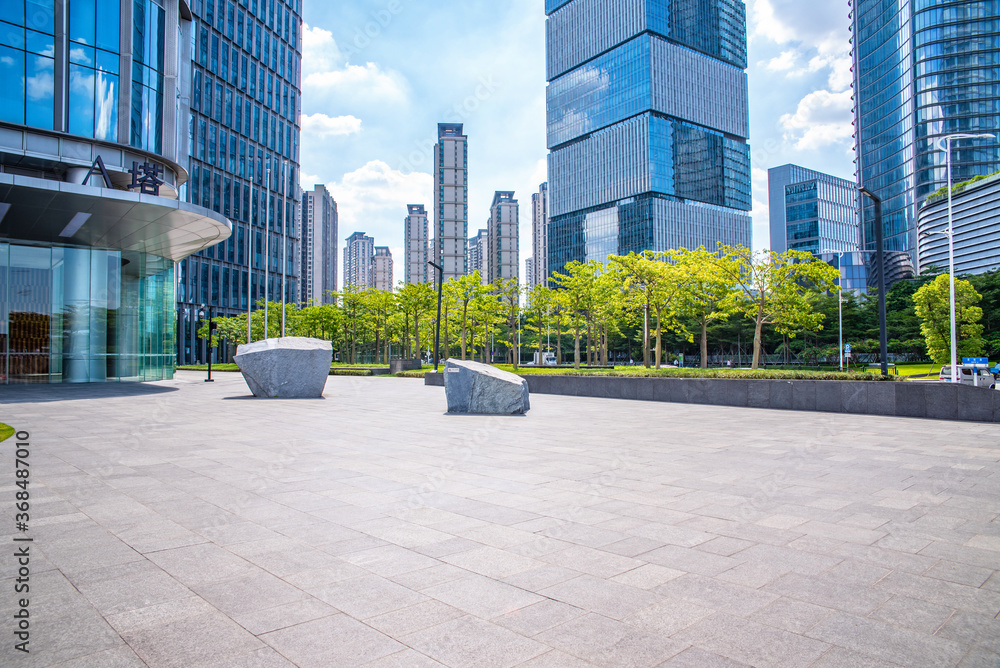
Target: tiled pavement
pixel 183 524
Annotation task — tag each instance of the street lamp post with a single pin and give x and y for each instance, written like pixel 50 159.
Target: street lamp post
pixel 880 265
pixel 950 233
pixel 437 325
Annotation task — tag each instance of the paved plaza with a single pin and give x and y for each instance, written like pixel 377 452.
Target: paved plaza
pixel 186 524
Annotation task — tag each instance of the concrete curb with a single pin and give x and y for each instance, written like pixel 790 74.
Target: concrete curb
pixel 936 401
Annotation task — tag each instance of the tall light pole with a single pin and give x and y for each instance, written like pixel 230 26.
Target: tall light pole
pixel 284 245
pixel 267 242
pixel 951 247
pixel 880 265
pixel 437 325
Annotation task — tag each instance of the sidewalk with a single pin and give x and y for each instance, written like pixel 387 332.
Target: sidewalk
pixel 187 524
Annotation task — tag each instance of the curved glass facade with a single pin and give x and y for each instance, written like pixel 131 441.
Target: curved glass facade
pixel 79 315
pixel 923 69
pixel 647 126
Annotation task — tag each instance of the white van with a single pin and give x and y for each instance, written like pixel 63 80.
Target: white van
pixel 965 376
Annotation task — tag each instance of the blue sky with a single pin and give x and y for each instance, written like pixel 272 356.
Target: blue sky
pixel 378 75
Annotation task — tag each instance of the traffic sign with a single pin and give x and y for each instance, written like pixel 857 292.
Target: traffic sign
pixel 975 361
pixel 847 347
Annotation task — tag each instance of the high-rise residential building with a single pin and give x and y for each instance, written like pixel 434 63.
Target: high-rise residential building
pixel 529 270
pixel 479 254
pixel 93 178
pixel 976 217
pixel 451 203
pixel 811 211
pixel 502 237
pixel 647 127
pixel 318 234
pixel 358 253
pixel 539 237
pixel 243 135
pixel 382 269
pixel 922 70
pixel 415 246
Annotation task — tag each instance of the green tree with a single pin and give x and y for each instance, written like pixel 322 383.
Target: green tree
pixel 933 307
pixel 467 289
pixel 538 313
pixel 416 301
pixel 776 289
pixel 706 291
pixel 509 293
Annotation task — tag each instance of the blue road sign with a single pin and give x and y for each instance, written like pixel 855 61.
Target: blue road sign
pixel 847 347
pixel 975 361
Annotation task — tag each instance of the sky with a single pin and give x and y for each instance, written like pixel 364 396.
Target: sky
pixel 379 75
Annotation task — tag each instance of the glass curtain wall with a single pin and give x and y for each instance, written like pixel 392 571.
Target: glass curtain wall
pixel 94 29
pixel 80 315
pixel 27 62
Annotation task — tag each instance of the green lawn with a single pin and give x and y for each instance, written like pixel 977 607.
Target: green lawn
pixel 642 372
pixel 204 367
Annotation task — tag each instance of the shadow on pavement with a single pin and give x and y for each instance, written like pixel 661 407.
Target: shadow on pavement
pixel 40 392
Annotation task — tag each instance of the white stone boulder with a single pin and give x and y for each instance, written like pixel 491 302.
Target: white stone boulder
pixel 482 389
pixel 290 367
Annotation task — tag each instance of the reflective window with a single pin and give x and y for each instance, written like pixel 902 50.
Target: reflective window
pixel 27 63
pixel 147 75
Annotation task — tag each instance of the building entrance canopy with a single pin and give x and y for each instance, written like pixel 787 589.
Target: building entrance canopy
pixel 56 212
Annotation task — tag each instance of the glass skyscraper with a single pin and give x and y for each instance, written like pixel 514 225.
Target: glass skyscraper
pixel 243 139
pixel 811 211
pixel 923 69
pixel 647 126
pixel 93 172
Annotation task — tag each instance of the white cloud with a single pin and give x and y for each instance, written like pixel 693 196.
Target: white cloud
pixel 321 125
pixel 373 199
pixel 818 32
pixel 320 52
pixel 327 76
pixel 358 83
pixel 821 119
pixel 784 62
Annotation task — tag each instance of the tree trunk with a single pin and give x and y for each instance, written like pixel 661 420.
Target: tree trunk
pixel 756 342
pixel 576 346
pixel 645 336
pixel 659 341
pixel 416 331
pixel 559 341
pixel 704 344
pixel 465 315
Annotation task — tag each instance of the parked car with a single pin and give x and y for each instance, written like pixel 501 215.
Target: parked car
pixel 965 376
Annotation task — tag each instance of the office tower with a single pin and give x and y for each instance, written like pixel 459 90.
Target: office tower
pixel 479 254
pixel 502 238
pixel 647 127
pixel 243 134
pixel 811 211
pixel 87 281
pixel 318 233
pixel 451 210
pixel 415 248
pixel 976 216
pixel 358 253
pixel 529 270
pixel 539 237
pixel 382 269
pixel 922 70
